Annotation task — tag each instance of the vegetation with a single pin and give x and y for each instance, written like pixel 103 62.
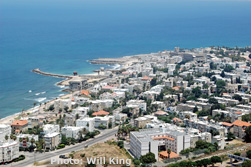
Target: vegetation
pixel 247 136
pixel 148 158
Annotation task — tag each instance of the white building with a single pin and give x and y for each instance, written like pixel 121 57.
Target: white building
pixel 140 103
pixel 50 128
pixel 106 120
pixel 155 140
pixel 9 151
pixel 4 130
pixel 52 140
pixel 87 123
pixel 71 131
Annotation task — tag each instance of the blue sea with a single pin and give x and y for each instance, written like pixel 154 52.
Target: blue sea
pixel 59 36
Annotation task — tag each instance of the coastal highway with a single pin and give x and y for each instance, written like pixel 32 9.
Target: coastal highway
pixel 68 149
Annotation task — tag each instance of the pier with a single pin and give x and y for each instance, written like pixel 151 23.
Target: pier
pixel 38 71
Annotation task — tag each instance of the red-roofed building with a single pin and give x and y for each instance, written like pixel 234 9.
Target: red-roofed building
pixel 160 113
pixel 239 128
pixel 100 113
pixel 165 155
pixel 146 78
pixel 108 87
pixel 19 125
pixel 177 121
pixel 85 92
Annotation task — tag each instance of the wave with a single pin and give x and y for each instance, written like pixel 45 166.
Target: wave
pixel 37 94
pixel 61 95
pixel 30 91
pixel 43 92
pixel 40 99
pixel 116 66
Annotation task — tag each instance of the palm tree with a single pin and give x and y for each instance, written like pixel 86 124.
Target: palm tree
pixel 20 139
pixel 14 138
pixel 32 141
pixel 11 136
pixel 27 139
pixel 6 137
pixel 169 152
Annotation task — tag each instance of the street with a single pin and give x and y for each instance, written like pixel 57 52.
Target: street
pixel 46 155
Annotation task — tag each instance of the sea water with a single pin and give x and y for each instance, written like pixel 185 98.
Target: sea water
pixel 59 36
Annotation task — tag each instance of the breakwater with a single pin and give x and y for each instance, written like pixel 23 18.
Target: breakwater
pixel 38 71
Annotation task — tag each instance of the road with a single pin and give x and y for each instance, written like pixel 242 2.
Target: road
pixel 44 156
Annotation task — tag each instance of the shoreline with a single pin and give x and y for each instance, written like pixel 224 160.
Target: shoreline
pixel 64 82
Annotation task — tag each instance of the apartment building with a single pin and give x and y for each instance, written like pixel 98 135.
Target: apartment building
pixel 87 123
pixel 52 140
pixel 155 140
pixel 51 128
pixel 71 131
pixel 19 126
pixel 4 130
pixel 9 151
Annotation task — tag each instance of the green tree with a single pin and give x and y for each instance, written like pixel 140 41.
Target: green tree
pixel 246 163
pixel 6 137
pixel 246 117
pixel 153 82
pixel 213 101
pixel 197 92
pixel 237 97
pixel 215 159
pixel 248 154
pixel 148 158
pixel 230 136
pixel 195 109
pixel 247 136
pixel 205 162
pixel 169 152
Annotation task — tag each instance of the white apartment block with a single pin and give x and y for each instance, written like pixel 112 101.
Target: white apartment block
pixel 140 103
pixel 71 131
pixel 4 130
pixel 9 151
pixel 52 140
pixel 104 121
pixel 152 140
pixel 50 128
pixel 87 123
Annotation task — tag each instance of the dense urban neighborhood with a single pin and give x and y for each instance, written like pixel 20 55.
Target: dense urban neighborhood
pixel 180 108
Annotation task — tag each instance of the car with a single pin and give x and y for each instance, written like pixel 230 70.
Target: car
pixel 62 156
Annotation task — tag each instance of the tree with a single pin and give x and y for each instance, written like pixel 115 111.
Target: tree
pixel 51 107
pixel 205 162
pixel 148 158
pixel 230 136
pixel 246 117
pixel 247 136
pixel 32 141
pixel 237 153
pixel 153 82
pixel 169 152
pixel 222 74
pixel 121 144
pixel 215 159
pixel 246 163
pixel 213 101
pixel 228 68
pixel 197 92
pixel 237 97
pixel 195 109
pixel 248 154
pixel 6 137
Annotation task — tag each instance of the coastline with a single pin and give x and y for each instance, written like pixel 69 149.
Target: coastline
pixel 128 60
